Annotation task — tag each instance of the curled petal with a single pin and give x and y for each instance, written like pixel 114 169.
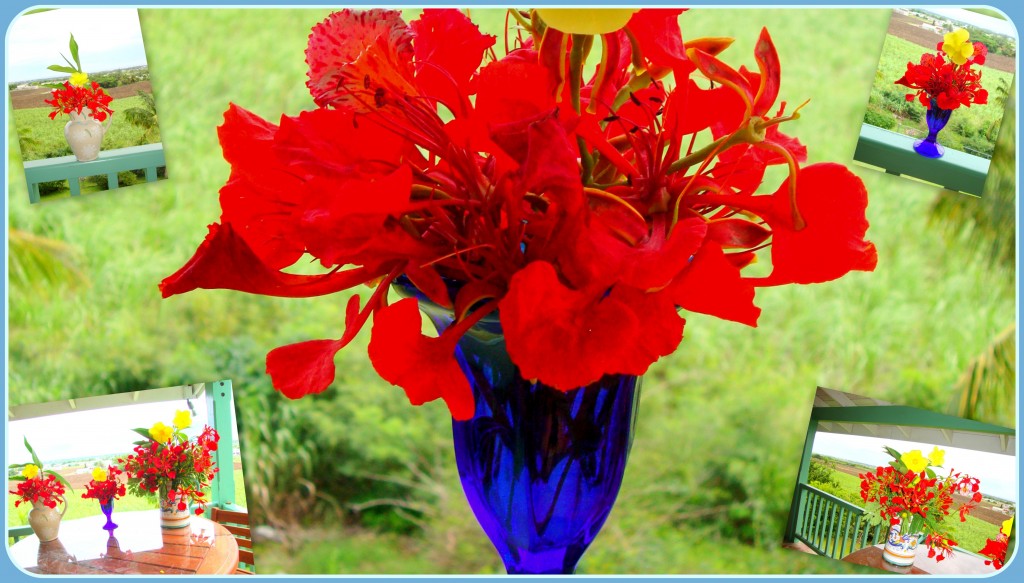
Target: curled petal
pixel 712 285
pixel 448 49
pixel 224 261
pixel 424 367
pixel 832 201
pixel 562 337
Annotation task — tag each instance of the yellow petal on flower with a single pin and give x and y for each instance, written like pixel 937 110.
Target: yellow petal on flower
pixel 30 471
pixel 79 79
pixel 957 37
pixel 586 20
pixel 99 475
pixel 160 432
pixel 1007 526
pixel 914 461
pixel 182 419
pixel 937 457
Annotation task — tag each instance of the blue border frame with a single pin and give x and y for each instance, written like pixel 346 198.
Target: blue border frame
pixel 1015 13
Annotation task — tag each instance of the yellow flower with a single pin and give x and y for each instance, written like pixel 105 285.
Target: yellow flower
pixel 914 461
pixel 160 432
pixel 1007 526
pixel 937 457
pixel 79 79
pixel 30 471
pixel 958 46
pixel 182 419
pixel 586 21
pixel 99 475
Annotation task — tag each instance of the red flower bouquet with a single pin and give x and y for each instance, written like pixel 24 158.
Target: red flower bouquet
pixel 910 495
pixel 585 211
pixel 171 465
pixel 104 485
pixel 947 77
pixel 77 99
pixel 37 485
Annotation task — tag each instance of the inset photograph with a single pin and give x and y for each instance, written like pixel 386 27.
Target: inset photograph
pixel 83 103
pixel 141 483
pixel 903 489
pixel 939 95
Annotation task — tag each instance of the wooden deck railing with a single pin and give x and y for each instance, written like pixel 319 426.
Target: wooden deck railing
pixel 895 154
pixel 148 157
pixel 832 526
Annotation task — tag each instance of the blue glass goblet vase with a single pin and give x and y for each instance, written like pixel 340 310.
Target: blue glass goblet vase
pixel 108 508
pixel 541 468
pixel 936 118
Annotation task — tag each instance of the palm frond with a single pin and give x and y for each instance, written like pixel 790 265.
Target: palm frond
pixel 986 224
pixel 987 389
pixel 40 265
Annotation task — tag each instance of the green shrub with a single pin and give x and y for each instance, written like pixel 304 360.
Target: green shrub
pixel 880 120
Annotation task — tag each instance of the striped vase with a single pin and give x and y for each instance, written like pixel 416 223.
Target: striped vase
pixel 900 549
pixel 170 517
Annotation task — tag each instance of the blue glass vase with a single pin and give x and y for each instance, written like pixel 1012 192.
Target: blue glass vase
pixel 108 509
pixel 541 468
pixel 936 118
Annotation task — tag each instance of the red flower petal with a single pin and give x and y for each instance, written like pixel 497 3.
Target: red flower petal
pixel 832 201
pixel 448 50
pixel 301 369
pixel 224 261
pixel 712 285
pixel 512 93
pixel 657 32
pixel 659 325
pixel 424 367
pixel 353 53
pixel 562 337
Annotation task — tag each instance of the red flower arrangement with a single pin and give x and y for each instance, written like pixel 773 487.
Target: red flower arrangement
pixel 947 77
pixel 36 485
pixel 584 211
pixel 43 488
pixel 909 493
pixel 77 99
pixel 106 489
pixel 171 465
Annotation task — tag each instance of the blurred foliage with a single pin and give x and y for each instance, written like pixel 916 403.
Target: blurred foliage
pixel 986 226
pixel 356 480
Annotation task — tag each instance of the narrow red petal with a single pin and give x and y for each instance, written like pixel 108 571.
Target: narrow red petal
pixel 302 369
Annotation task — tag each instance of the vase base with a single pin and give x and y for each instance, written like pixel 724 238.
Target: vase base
pixel 929 149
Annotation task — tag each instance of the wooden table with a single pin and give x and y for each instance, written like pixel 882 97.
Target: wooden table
pixel 137 546
pixel 957 564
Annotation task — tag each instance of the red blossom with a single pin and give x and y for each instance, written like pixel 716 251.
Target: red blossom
pixel 77 99
pixel 585 211
pixel 944 83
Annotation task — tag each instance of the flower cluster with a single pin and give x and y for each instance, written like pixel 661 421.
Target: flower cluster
pixel 947 78
pixel 584 210
pixel 38 487
pixel 171 464
pixel 910 495
pixel 104 486
pixel 77 99
pixel 995 550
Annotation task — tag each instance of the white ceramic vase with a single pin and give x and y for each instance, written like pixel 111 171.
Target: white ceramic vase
pixel 45 521
pixel 85 135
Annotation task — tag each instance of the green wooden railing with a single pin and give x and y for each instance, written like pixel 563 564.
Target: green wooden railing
pixel 832 526
pixel 895 154
pixel 148 157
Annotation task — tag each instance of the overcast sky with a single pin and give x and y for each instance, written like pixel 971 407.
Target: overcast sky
pixel 980 20
pixel 998 473
pixel 96 432
pixel 107 39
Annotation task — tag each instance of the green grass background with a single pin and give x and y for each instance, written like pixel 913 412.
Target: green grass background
pixel 722 421
pixel 974 127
